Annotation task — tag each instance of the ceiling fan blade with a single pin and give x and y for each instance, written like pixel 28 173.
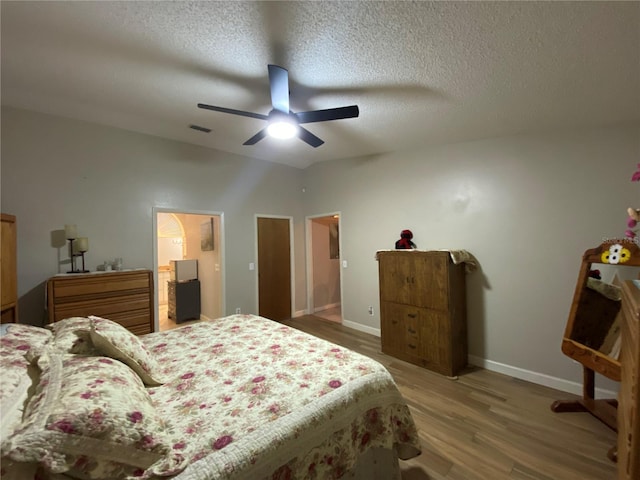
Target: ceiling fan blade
pixel 234 112
pixel 279 83
pixel 328 114
pixel 308 137
pixel 257 137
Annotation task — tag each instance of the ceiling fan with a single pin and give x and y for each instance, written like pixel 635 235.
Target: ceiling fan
pixel 282 122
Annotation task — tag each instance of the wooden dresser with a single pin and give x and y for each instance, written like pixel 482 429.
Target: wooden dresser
pixel 8 263
pixel 423 309
pixel 125 297
pixel 629 394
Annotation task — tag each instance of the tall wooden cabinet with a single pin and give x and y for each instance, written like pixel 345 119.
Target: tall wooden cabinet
pixel 8 267
pixel 423 309
pixel 125 297
pixel 629 394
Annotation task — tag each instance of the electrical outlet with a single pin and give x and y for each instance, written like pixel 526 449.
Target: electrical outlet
pixel 370 310
pixel 238 310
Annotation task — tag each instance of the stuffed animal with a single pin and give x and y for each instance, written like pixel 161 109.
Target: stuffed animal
pixel 632 221
pixel 405 242
pixel 634 213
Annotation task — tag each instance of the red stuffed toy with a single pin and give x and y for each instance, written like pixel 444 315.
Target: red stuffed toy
pixel 405 242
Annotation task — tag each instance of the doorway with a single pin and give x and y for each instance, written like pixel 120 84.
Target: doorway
pixel 188 235
pixel 324 275
pixel 274 267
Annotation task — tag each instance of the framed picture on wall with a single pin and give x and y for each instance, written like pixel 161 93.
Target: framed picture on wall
pixel 334 241
pixel 206 235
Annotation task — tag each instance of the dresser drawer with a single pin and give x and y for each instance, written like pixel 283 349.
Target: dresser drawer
pixel 107 308
pixel 124 297
pixel 136 321
pixel 98 285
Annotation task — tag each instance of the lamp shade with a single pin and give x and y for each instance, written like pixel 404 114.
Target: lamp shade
pixel 83 244
pixel 70 231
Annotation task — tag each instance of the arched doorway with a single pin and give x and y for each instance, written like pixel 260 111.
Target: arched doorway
pixel 178 235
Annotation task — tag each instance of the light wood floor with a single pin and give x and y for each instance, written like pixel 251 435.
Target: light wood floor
pixel 166 323
pixel 333 314
pixel 485 425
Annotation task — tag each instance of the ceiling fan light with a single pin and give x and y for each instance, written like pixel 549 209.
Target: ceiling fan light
pixel 282 129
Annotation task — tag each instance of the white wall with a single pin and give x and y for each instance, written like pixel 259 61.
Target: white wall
pixel 208 274
pixel 57 171
pixel 527 207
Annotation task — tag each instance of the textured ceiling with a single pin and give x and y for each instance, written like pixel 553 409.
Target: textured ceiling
pixel 422 73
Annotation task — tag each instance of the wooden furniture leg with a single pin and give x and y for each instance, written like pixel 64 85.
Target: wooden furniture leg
pixel 603 409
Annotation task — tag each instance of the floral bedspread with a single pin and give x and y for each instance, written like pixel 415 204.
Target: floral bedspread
pixel 251 398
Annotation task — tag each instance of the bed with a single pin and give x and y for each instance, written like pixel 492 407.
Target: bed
pixel 240 397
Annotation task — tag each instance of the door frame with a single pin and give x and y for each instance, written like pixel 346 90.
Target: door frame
pixel 309 260
pixel 155 211
pixel 291 259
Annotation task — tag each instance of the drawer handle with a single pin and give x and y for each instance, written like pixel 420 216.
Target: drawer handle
pixel 411 330
pixel 411 346
pixel 395 322
pixel 412 315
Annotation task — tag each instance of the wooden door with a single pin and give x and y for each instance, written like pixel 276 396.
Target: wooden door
pixel 392 328
pixel 435 340
pixel 429 281
pixel 414 278
pixel 396 273
pixel 8 263
pixel 274 268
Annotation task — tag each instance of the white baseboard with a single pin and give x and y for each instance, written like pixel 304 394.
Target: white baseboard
pixel 299 313
pixel 515 372
pixel 360 327
pixel 535 377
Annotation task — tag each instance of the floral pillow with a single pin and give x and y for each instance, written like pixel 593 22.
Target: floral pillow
pixel 72 335
pixel 19 339
pixel 115 341
pixel 90 417
pixel 14 386
pixel 17 376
